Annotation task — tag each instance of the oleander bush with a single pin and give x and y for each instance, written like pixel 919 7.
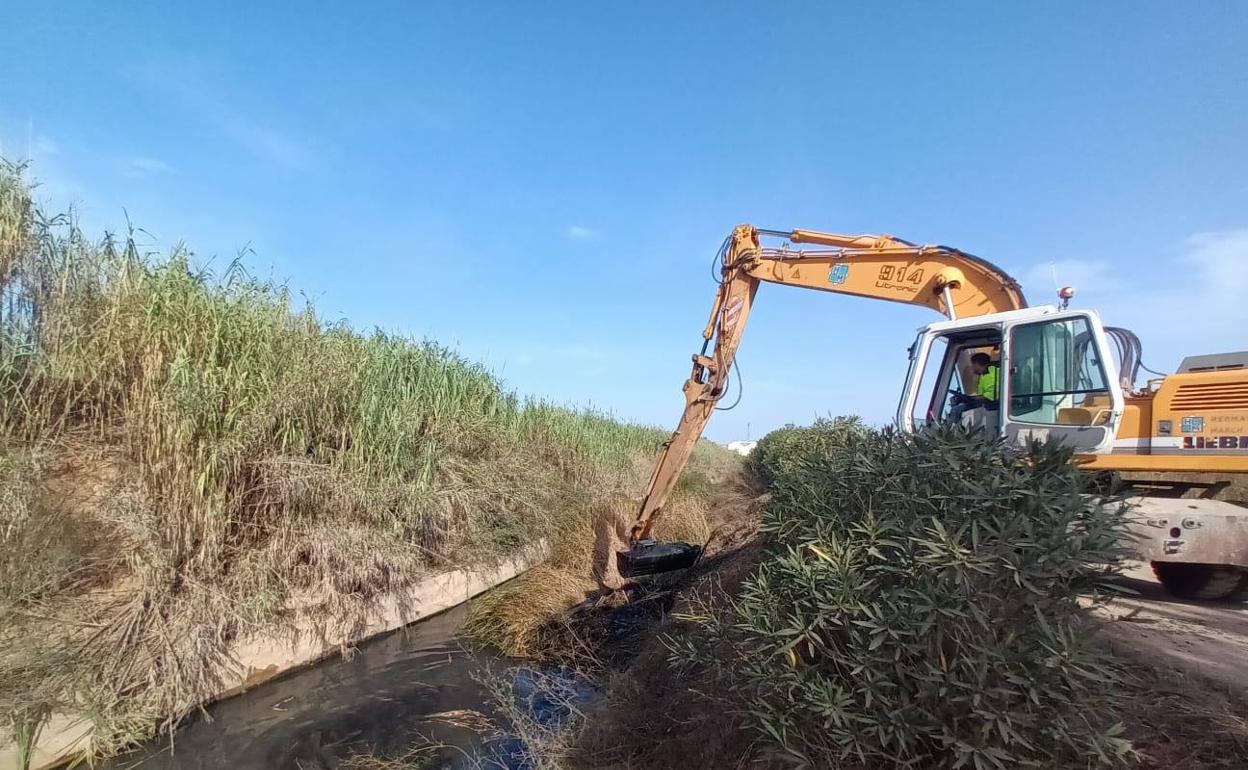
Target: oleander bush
pixel 773 457
pixel 919 605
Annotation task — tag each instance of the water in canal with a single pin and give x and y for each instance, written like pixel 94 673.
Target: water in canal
pixel 412 685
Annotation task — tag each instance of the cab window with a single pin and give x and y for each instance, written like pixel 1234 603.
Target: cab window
pixel 1056 376
pixel 929 405
pixel 948 374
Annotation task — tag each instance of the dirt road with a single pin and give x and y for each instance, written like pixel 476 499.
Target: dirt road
pixel 1207 640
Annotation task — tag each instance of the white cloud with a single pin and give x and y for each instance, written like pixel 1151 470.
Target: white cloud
pixel 587 354
pixel 143 168
pixel 575 359
pixel 55 187
pixel 43 146
pixel 194 85
pixel 581 233
pixel 1198 304
pixel 1219 262
pixel 789 388
pixel 34 147
pixel 581 352
pixel 1193 301
pixel 268 143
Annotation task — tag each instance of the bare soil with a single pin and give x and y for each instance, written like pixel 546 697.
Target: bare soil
pixel 1187 707
pixel 1204 640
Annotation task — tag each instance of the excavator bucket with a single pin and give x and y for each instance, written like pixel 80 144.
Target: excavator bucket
pixel 651 558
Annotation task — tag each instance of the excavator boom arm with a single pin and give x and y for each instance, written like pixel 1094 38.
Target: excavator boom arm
pixel 949 281
pixel 880 267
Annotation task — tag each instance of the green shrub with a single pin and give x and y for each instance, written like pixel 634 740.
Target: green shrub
pixel 773 458
pixel 919 606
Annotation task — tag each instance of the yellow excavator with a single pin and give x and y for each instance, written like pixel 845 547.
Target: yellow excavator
pixel 1061 375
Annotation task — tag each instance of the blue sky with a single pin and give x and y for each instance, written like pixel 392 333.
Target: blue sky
pixel 543 185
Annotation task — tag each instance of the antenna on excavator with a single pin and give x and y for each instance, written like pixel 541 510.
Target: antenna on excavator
pixel 1064 293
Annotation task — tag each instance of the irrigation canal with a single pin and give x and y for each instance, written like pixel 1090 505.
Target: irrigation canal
pixel 416 684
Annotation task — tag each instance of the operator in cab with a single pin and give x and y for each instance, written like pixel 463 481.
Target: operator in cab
pixel 988 374
pixel 980 408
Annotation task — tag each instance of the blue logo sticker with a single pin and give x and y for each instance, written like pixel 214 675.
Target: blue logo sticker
pixel 838 274
pixel 1192 425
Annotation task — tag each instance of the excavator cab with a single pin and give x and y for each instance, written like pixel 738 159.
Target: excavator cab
pixel 950 386
pixel 1055 377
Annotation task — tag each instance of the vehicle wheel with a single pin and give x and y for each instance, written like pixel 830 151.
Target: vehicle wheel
pixel 1202 581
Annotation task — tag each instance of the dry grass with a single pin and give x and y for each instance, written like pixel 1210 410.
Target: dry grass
pixel 416 757
pixel 523 618
pixel 651 716
pixel 656 715
pixel 546 737
pixel 183 455
pixel 1177 722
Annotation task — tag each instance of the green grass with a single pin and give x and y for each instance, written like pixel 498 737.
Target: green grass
pixel 184 452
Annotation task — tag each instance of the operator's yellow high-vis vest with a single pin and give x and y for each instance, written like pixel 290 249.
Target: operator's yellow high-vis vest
pixel 987 385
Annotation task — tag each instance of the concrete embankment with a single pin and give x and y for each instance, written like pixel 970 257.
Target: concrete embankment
pixel 258 658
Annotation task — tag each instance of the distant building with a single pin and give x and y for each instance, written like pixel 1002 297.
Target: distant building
pixel 742 447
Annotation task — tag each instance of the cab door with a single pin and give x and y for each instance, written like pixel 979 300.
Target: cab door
pixel 1060 383
pixel 939 369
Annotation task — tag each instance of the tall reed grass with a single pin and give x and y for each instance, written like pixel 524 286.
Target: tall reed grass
pixel 185 452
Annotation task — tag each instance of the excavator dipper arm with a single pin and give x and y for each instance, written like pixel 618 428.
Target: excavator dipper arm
pixel 949 281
